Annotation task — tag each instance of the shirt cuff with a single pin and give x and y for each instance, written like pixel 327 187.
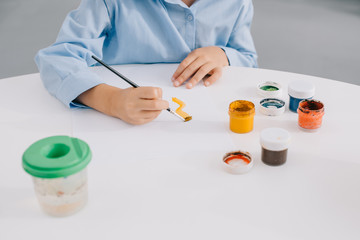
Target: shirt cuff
pixel 235 58
pixel 74 85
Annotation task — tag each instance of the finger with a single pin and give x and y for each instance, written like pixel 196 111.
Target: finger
pixel 189 71
pixel 184 63
pixel 147 115
pixel 140 121
pixel 142 117
pixel 152 105
pixel 148 92
pixel 200 74
pixel 215 75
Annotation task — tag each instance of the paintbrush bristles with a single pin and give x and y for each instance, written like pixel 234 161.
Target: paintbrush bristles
pixel 188 118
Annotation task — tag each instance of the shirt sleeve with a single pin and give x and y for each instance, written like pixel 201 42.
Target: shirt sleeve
pixel 240 49
pixel 64 65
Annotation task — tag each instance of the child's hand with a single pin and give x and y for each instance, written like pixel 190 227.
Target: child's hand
pixel 198 64
pixel 132 105
pixel 138 105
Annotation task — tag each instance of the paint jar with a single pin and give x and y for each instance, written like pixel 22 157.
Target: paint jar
pixel 275 143
pixel 269 90
pixel 272 106
pixel 298 91
pixel 241 114
pixel 237 162
pixel 58 168
pixel 310 114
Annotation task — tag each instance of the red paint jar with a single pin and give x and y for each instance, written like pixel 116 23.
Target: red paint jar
pixel 310 114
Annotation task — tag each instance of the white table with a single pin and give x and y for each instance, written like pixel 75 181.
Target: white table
pixel 164 180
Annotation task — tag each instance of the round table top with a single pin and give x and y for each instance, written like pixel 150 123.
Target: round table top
pixel 164 180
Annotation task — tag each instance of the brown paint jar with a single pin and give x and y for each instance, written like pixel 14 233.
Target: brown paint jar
pixel 274 143
pixel 273 158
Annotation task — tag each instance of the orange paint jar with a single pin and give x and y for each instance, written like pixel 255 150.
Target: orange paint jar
pixel 241 114
pixel 310 114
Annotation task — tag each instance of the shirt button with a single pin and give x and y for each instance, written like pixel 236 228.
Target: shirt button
pixel 189 17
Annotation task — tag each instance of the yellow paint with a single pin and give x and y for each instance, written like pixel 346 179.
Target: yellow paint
pixel 241 114
pixel 179 110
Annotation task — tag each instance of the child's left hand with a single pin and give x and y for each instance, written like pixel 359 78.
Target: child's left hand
pixel 199 63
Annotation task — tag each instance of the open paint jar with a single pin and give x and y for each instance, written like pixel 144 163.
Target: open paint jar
pixel 275 143
pixel 269 90
pixel 237 162
pixel 310 114
pixel 272 106
pixel 58 168
pixel 241 114
pixel 298 91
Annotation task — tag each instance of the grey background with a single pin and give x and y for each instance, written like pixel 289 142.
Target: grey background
pixel 314 37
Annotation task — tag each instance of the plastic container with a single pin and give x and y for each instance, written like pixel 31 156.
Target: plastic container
pixel 237 162
pixel 272 106
pixel 269 90
pixel 310 114
pixel 241 114
pixel 298 91
pixel 275 143
pixel 58 167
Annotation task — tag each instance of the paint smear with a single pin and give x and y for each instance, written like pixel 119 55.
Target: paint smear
pixel 179 110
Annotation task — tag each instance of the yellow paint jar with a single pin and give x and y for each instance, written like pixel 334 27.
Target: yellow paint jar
pixel 241 114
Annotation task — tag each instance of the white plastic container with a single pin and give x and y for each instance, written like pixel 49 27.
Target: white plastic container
pixel 299 90
pixel 272 106
pixel 269 89
pixel 275 143
pixel 237 162
pixel 62 196
pixel 58 166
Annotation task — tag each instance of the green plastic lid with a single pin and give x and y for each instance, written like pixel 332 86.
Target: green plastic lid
pixel 57 156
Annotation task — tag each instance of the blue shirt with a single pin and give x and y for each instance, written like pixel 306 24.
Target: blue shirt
pixel 141 31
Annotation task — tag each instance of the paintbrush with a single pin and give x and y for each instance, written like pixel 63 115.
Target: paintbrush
pixel 135 85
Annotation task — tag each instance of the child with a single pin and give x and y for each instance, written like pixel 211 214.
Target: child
pixel 201 35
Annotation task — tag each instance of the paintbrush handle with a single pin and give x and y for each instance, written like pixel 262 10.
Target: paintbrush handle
pixel 175 114
pixel 130 82
pixel 116 72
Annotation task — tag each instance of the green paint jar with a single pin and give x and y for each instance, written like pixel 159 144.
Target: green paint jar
pixel 58 168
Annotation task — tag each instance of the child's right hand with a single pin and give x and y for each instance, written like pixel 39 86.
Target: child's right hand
pixel 138 105
pixel 132 105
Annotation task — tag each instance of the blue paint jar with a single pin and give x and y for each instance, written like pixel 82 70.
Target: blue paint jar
pixel 299 90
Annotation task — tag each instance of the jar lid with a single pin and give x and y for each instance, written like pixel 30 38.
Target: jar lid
pixel 269 89
pixel 56 156
pixel 301 89
pixel 272 106
pixel 237 162
pixel 275 139
pixel 242 108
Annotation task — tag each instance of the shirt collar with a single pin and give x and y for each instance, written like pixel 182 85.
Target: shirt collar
pixel 181 3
